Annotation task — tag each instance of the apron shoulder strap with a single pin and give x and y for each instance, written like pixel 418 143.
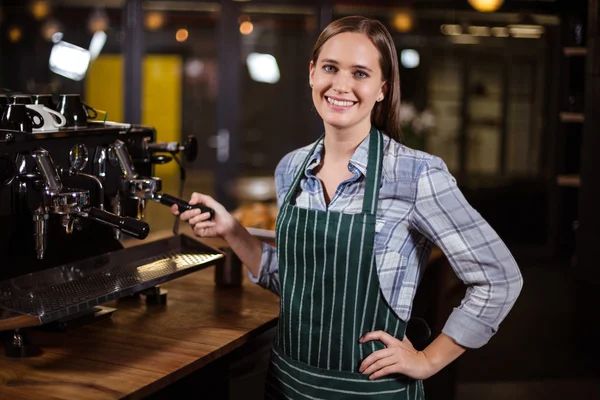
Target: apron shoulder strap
pixel 374 167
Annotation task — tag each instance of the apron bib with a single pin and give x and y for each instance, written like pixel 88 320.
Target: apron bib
pixel 330 297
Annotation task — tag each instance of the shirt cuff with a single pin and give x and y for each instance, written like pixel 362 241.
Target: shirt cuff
pixel 467 330
pixel 268 254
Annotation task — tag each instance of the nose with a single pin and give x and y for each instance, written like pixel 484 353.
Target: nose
pixel 342 83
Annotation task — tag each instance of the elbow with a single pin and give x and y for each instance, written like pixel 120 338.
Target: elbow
pixel 514 286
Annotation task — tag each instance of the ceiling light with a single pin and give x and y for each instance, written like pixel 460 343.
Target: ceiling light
pixel 486 5
pixel 526 31
pixel 500 31
pixel 14 34
pixel 263 67
pixel 409 58
pixel 403 21
pixel 246 28
pixel 154 20
pixel 451 30
pixel 479 30
pixel 40 9
pixel 181 35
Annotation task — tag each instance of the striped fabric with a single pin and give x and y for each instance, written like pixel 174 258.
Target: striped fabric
pixel 419 205
pixel 330 297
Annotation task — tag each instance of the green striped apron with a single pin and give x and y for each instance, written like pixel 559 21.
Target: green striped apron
pixel 330 297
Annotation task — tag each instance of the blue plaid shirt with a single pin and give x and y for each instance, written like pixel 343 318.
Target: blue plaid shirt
pixel 419 205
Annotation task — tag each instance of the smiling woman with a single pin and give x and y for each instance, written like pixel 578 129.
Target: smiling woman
pixel 361 59
pixel 345 85
pixel 359 214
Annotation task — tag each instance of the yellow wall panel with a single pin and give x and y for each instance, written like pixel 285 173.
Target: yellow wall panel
pixel 103 87
pixel 161 101
pixel 161 96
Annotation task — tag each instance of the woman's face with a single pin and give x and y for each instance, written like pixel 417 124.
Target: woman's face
pixel 347 81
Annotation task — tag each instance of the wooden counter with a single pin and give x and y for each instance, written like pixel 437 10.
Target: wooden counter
pixel 142 348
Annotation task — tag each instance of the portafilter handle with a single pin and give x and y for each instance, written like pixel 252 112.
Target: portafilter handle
pixel 182 205
pixel 130 226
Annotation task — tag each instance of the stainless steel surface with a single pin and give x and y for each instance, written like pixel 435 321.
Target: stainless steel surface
pixel 98 183
pixel 125 161
pixel 46 166
pixel 21 170
pixel 79 156
pixel 69 201
pixel 143 188
pixel 68 289
pixel 100 162
pixel 40 227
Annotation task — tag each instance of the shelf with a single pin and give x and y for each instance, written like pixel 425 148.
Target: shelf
pixel 574 51
pixel 571 117
pixel 573 180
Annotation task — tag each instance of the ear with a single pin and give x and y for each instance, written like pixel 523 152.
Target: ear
pixel 311 73
pixel 383 91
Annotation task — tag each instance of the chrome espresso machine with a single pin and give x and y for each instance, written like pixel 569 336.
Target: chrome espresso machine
pixel 71 192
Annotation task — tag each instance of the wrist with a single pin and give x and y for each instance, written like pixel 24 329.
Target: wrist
pixel 234 231
pixel 429 367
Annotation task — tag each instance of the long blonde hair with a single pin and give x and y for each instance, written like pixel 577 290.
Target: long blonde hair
pixel 386 114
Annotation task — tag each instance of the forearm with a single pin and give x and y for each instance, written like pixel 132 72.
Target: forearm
pixel 247 247
pixel 441 352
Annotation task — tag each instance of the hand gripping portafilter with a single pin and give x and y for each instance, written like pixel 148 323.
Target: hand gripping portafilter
pixel 72 204
pixel 146 188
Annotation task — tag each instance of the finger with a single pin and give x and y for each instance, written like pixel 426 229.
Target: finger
pixel 390 369
pixel 199 198
pixel 380 364
pixel 384 337
pixel 374 357
pixel 200 230
pixel 175 209
pixel 187 215
pixel 204 225
pixel 199 218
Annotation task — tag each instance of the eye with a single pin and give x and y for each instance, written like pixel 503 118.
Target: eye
pixel 329 68
pixel 361 75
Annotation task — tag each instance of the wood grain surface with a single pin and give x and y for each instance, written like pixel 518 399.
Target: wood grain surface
pixel 142 348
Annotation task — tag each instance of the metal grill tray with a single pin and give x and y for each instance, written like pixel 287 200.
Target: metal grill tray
pixel 71 288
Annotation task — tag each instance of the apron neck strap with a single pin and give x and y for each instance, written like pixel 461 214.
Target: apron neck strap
pixel 373 182
pixel 374 167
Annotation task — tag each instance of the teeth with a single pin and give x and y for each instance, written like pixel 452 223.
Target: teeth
pixel 340 103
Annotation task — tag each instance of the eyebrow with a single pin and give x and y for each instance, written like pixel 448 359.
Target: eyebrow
pixel 358 66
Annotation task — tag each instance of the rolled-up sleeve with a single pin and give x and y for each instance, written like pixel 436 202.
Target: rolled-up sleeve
pixel 268 275
pixel 475 251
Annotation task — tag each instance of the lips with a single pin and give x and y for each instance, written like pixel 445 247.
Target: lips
pixel 339 103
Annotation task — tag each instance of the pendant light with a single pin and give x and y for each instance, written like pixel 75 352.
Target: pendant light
pixel 486 5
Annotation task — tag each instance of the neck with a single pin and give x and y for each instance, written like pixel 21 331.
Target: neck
pixel 340 144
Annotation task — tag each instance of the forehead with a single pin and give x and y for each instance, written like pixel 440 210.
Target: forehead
pixel 351 48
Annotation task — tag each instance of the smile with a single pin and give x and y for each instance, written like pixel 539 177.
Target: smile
pixel 339 103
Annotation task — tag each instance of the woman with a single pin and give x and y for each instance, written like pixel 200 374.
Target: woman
pixel 359 214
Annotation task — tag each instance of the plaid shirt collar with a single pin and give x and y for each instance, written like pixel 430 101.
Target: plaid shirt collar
pixel 357 164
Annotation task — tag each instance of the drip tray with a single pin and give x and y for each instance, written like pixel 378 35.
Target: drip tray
pixel 71 288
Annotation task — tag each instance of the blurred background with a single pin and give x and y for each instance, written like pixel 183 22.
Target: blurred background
pixel 502 90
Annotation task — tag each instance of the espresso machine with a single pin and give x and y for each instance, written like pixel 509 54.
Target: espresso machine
pixel 69 197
